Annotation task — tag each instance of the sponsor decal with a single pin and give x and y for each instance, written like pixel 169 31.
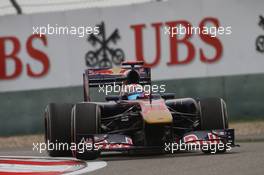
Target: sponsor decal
pixel 108 144
pixel 199 141
pixel 210 138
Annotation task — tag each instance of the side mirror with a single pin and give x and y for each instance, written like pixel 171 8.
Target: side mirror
pixel 112 98
pixel 167 96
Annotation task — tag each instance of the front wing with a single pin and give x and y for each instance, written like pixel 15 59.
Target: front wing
pixel 119 142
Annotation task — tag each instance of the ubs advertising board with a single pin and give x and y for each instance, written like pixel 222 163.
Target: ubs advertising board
pixel 135 32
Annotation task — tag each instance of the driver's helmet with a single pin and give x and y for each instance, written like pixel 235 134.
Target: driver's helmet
pixel 133 91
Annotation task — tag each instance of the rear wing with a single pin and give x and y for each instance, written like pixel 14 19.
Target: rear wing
pixel 117 76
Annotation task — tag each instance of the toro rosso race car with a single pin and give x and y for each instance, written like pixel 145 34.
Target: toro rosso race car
pixel 134 119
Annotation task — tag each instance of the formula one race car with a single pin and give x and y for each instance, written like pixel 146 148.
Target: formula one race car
pixel 134 119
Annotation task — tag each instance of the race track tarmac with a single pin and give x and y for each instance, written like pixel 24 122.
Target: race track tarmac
pixel 245 160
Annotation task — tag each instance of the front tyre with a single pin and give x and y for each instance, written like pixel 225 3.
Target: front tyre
pixel 85 121
pixel 213 115
pixel 57 118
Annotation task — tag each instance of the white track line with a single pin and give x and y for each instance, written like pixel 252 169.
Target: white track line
pixel 90 166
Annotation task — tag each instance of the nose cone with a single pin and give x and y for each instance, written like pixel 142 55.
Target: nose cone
pixel 157 117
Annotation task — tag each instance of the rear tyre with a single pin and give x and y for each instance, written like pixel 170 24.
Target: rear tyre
pixel 213 115
pixel 57 118
pixel 85 121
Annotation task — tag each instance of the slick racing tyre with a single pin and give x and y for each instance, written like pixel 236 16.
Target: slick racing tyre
pixel 85 121
pixel 213 115
pixel 57 119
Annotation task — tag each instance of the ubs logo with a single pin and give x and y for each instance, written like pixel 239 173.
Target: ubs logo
pixel 104 55
pixel 260 38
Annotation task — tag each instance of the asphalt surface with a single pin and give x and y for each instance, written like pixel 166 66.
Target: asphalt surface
pixel 245 160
